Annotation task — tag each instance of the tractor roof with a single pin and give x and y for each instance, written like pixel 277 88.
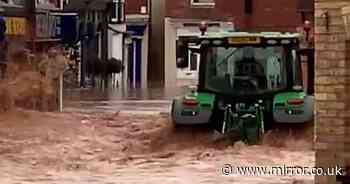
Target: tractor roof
pixel 247 34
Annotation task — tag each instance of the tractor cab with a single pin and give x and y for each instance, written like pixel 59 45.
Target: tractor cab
pixel 245 80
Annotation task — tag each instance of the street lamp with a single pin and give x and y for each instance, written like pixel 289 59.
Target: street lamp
pixel 117 12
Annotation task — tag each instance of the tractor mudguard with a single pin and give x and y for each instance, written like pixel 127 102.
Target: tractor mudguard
pixel 201 113
pixel 284 111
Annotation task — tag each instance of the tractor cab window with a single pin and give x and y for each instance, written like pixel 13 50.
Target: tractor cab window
pixel 245 69
pixel 297 70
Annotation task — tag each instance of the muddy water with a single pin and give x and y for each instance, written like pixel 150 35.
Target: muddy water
pixel 47 148
pixel 96 94
pixel 113 100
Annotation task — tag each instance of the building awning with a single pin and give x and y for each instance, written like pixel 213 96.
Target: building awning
pixel 136 30
pixel 78 5
pixel 306 5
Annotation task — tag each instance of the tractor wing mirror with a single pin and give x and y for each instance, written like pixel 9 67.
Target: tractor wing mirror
pixel 181 63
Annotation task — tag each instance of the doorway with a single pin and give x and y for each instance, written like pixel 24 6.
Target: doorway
pixel 135 63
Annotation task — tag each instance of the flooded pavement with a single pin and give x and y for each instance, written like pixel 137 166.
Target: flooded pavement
pixel 114 100
pixel 74 148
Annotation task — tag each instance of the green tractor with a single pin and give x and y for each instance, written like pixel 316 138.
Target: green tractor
pixel 247 82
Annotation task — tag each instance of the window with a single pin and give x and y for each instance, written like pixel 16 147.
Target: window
pixel 297 73
pixel 194 62
pixel 248 7
pixel 203 2
pixel 245 70
pixel 117 14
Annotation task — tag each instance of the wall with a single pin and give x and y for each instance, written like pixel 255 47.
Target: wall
pixel 331 87
pixel 156 75
pixel 276 15
pixel 268 14
pixel 115 48
pixel 134 6
pixel 223 11
pixel 170 54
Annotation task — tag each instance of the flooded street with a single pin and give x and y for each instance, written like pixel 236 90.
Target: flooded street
pixel 93 142
pixel 114 100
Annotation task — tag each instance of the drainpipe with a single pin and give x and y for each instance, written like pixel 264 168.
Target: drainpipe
pixel 31 16
pixel 84 49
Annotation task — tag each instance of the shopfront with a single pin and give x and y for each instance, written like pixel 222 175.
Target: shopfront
pixel 47 25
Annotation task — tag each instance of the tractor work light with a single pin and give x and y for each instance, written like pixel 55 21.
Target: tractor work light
pixel 285 41
pixel 271 42
pixel 217 42
pixel 205 42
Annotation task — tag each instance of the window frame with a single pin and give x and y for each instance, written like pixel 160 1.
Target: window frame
pixel 285 77
pixel 202 4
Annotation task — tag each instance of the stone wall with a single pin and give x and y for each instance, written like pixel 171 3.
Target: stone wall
pixel 332 85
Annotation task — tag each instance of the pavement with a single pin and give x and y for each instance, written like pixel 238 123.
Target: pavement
pixel 147 107
pixel 130 101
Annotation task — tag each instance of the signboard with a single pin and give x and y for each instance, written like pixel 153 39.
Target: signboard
pixel 47 25
pixel 16 26
pixel 47 4
pixel 244 40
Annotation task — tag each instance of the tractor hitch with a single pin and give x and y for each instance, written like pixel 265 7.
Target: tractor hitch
pixel 243 121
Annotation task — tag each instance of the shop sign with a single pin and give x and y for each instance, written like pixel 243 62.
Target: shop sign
pixel 16 26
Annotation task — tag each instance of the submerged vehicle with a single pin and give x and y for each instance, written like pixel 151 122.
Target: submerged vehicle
pixel 247 81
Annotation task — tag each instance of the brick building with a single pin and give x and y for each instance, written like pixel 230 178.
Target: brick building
pixel 280 15
pixel 332 85
pixel 182 17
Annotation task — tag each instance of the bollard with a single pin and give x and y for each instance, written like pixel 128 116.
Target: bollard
pixel 61 93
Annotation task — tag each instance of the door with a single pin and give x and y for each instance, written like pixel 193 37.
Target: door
pixel 135 63
pixel 191 72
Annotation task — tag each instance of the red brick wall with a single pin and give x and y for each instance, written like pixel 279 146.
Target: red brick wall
pixel 224 10
pixel 271 13
pixel 134 6
pixel 267 14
